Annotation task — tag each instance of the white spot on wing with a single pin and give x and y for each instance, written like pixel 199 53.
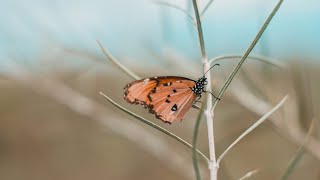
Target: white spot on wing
pixel 146 80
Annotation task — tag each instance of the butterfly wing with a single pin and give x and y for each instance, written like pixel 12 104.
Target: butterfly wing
pixel 137 91
pixel 171 99
pixel 168 97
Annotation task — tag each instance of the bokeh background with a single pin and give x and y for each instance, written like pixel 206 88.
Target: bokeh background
pixel 55 125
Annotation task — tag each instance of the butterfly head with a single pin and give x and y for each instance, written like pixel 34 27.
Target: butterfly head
pixel 198 89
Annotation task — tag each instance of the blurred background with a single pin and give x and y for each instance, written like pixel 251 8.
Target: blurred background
pixel 55 125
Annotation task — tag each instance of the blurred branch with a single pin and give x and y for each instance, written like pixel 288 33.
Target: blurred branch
pixel 249 174
pixel 204 57
pixel 170 134
pixel 87 107
pixel 254 85
pixel 258 106
pixel 256 124
pixel 177 8
pixel 206 7
pixel 117 63
pixel 294 162
pixel 298 156
pixel 264 59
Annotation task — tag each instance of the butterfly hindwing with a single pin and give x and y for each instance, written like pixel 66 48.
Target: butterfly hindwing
pixel 171 99
pixel 174 107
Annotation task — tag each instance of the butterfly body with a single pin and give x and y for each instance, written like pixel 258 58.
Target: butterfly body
pixel 168 97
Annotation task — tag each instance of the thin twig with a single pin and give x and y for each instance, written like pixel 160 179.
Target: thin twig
pixel 117 63
pixel 249 174
pixel 154 126
pixel 248 51
pixel 213 168
pixel 251 128
pixel 258 106
pixel 206 7
pixel 300 152
pixel 264 59
pixel 177 8
pixel 194 143
pixel 200 33
pixel 293 163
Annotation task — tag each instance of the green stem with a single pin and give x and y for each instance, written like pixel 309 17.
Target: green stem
pixel 200 34
pixel 209 116
pixel 194 144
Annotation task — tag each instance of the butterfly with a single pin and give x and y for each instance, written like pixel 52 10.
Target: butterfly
pixel 168 97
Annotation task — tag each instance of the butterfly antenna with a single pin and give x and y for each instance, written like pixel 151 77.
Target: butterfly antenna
pixel 212 95
pixel 211 68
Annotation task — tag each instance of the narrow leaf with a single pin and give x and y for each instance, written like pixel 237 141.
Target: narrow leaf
pixel 154 125
pixel 117 63
pixel 298 156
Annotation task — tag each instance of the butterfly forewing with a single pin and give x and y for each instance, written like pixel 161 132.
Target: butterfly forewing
pixel 137 91
pixel 169 98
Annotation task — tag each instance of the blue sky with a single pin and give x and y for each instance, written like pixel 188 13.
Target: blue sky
pixel 127 27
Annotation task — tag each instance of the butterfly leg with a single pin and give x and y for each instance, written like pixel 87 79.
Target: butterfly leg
pixel 197 100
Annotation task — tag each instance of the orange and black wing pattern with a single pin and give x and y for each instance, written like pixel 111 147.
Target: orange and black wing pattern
pixel 168 97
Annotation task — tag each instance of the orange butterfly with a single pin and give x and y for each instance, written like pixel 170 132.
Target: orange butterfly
pixel 168 97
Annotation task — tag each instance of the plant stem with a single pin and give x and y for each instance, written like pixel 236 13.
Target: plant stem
pixel 208 113
pixel 298 156
pixel 206 8
pixel 194 144
pixel 200 33
pixel 177 8
pixel 267 60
